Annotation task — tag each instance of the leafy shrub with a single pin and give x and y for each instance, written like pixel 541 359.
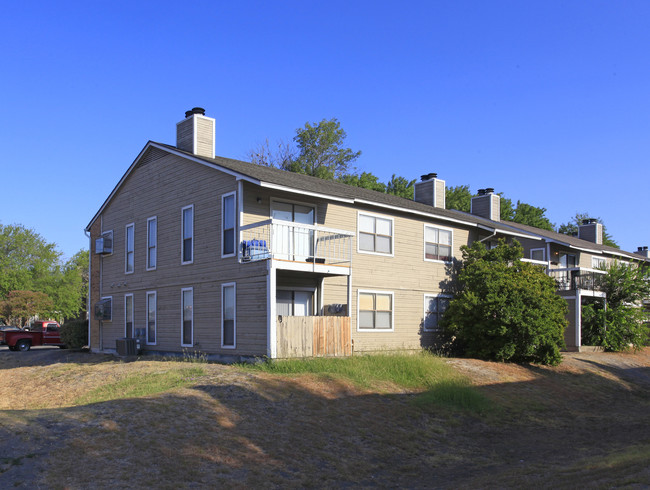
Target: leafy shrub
pixel 506 309
pixel 74 333
pixel 622 323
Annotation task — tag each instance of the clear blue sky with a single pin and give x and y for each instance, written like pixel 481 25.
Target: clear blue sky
pixel 546 101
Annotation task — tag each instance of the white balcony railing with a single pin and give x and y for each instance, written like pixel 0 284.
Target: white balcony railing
pixel 295 242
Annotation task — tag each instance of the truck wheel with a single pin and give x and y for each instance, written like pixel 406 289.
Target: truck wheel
pixel 23 345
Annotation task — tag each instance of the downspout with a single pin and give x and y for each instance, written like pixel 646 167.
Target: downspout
pixel 488 237
pixel 88 308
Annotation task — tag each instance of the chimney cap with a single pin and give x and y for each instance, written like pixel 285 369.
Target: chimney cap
pixel 429 176
pixel 589 221
pixel 489 190
pixel 195 110
pixel 481 192
pixel 642 249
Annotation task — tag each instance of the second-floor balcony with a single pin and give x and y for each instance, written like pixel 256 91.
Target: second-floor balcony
pixel 297 246
pixel 574 278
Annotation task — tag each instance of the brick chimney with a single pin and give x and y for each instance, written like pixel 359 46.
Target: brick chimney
pixel 591 230
pixel 487 204
pixel 195 133
pixel 430 190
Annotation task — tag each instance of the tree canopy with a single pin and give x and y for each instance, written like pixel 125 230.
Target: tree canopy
pixel 506 309
pixel 28 263
pixel 621 321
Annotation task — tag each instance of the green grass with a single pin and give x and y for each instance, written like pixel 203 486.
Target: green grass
pixel 442 385
pixel 142 384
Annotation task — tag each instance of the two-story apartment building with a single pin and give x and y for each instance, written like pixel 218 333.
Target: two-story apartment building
pixel 191 251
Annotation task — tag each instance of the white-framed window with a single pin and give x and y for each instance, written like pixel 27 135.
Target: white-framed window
pixel 187 234
pixel 437 243
pixel 129 248
pixel 434 307
pixel 228 221
pixel 375 311
pixel 128 316
pixel 151 317
pixel 152 242
pixel 104 309
pixel 187 317
pixel 538 254
pixel 598 263
pixel 228 315
pixel 295 301
pixel 375 234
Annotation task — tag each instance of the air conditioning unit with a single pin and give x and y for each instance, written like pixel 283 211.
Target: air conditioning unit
pixel 104 245
pixel 104 309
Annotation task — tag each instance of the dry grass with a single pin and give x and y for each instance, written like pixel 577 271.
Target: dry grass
pixel 74 421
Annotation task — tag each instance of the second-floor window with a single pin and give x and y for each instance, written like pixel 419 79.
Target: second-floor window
pixel 537 254
pixel 568 261
pixel 598 262
pixel 228 225
pixel 437 244
pixel 129 248
pixel 187 245
pixel 152 242
pixel 375 234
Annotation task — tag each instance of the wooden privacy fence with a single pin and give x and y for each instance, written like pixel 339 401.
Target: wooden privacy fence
pixel 313 336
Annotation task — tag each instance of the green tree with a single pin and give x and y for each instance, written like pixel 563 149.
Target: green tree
pixel 620 322
pixel 459 198
pixel 19 306
pixel 400 186
pixel 527 214
pixel 571 228
pixel 365 180
pixel 321 152
pixel 29 263
pixel 506 309
pixel 506 209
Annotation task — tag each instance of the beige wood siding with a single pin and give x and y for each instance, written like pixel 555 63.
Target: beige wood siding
pixel 161 188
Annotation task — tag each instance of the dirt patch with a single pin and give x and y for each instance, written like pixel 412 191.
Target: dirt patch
pixel 581 424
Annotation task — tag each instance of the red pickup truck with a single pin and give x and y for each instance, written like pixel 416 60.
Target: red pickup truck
pixel 39 333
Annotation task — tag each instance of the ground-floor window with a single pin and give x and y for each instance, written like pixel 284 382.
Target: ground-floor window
pixel 375 310
pixel 434 308
pixel 187 312
pixel 228 314
pixel 151 317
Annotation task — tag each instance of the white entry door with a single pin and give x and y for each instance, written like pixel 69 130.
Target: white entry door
pixel 292 242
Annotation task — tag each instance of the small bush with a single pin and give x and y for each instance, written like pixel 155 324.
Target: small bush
pixel 74 333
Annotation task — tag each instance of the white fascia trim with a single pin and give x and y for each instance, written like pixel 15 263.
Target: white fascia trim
pixel 293 190
pixel 411 211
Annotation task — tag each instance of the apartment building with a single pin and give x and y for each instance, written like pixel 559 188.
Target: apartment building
pixel 195 252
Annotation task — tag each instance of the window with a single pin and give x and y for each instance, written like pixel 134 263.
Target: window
pixel 104 309
pixel 187 245
pixel 437 244
pixel 598 263
pixel 187 307
pixel 152 242
pixel 151 317
pixel 228 315
pixel 228 225
pixel 434 307
pixel 537 254
pixel 375 311
pixel 128 316
pixel 375 234
pixel 128 248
